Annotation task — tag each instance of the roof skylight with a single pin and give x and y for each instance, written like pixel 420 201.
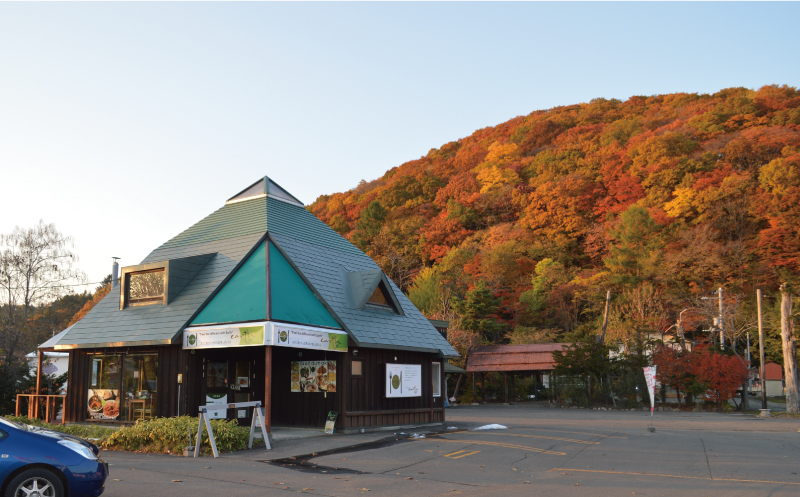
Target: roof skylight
pixel 264 187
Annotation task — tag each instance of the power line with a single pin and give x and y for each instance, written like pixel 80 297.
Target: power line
pixel 62 286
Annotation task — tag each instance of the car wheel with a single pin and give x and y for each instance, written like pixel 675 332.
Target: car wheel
pixel 35 483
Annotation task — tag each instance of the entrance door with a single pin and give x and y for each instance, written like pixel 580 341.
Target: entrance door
pixel 229 378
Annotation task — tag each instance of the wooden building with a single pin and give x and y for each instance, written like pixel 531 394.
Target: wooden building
pixel 513 360
pixel 258 301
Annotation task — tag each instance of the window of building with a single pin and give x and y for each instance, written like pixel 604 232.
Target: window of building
pixel 145 287
pixel 122 387
pixel 357 368
pixel 436 376
pixel 380 299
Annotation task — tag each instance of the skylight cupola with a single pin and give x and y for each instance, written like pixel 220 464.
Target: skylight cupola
pixel 264 187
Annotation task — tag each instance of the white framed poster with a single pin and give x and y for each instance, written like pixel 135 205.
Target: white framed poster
pixel 403 380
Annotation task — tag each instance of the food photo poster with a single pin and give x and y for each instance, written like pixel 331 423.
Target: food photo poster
pixel 313 376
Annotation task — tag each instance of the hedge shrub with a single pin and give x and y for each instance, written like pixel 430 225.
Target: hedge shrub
pixel 171 435
pixel 162 435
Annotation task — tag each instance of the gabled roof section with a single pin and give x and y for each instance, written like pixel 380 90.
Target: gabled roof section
pixel 529 357
pixel 291 299
pixel 264 187
pixel 244 296
pixel 318 256
pixel 328 268
pixel 363 284
pixel 106 326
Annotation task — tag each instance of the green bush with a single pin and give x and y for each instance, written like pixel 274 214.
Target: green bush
pixel 162 435
pixel 171 435
pixel 95 434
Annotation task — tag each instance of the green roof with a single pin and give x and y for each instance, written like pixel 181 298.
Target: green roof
pixel 322 271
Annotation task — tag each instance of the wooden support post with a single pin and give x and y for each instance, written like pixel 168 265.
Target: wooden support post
pixel 268 390
pixel 38 384
pixel 199 433
pixel 483 387
pixel 505 384
pixel 513 390
pixel 474 390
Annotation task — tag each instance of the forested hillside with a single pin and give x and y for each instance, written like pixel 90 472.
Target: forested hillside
pixel 517 231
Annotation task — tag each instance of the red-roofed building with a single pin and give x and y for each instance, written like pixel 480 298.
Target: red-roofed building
pixel 513 360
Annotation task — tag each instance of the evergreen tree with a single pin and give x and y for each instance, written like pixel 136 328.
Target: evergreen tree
pixel 369 224
pixel 477 311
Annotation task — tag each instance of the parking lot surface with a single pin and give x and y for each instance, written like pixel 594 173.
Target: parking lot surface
pixel 543 451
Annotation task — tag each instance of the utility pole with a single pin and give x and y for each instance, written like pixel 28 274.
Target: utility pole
pixel 605 316
pixel 761 353
pixel 721 322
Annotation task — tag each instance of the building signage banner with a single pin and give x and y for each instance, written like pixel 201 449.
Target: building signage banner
pixel 308 338
pixel 231 336
pixel 264 333
pixel 650 378
pixel 403 380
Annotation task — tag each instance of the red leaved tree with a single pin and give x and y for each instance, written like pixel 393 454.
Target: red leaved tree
pixel 674 368
pixel 721 374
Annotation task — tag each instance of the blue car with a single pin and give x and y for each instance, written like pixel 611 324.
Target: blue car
pixel 36 462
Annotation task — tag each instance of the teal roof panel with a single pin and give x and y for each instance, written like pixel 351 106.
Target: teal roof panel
pixel 291 299
pixel 244 296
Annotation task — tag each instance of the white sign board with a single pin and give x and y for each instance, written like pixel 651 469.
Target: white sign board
pixel 403 380
pixel 215 399
pixel 224 336
pixel 305 337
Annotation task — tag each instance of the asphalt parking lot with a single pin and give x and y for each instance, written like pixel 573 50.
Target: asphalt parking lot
pixel 544 451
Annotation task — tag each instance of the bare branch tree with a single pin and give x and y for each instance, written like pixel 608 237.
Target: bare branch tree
pixel 36 267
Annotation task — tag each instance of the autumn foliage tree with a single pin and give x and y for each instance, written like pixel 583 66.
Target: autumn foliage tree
pixel 659 198
pixel 720 374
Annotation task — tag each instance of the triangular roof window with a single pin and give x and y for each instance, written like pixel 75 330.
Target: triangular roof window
pixel 274 190
pixel 257 189
pixel 381 299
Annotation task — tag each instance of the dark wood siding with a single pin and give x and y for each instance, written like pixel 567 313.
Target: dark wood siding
pixel 366 402
pixel 301 408
pixel 171 362
pixel 77 386
pixel 360 402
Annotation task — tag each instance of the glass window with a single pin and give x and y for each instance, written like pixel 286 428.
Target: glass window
pixel 356 368
pixel 104 387
pixel 217 375
pixel 139 385
pixel 243 374
pixel 380 299
pixel 145 287
pixel 436 375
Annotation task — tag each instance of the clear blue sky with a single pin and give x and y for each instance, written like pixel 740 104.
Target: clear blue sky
pixel 126 123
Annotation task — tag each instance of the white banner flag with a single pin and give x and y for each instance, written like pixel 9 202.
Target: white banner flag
pixel 650 378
